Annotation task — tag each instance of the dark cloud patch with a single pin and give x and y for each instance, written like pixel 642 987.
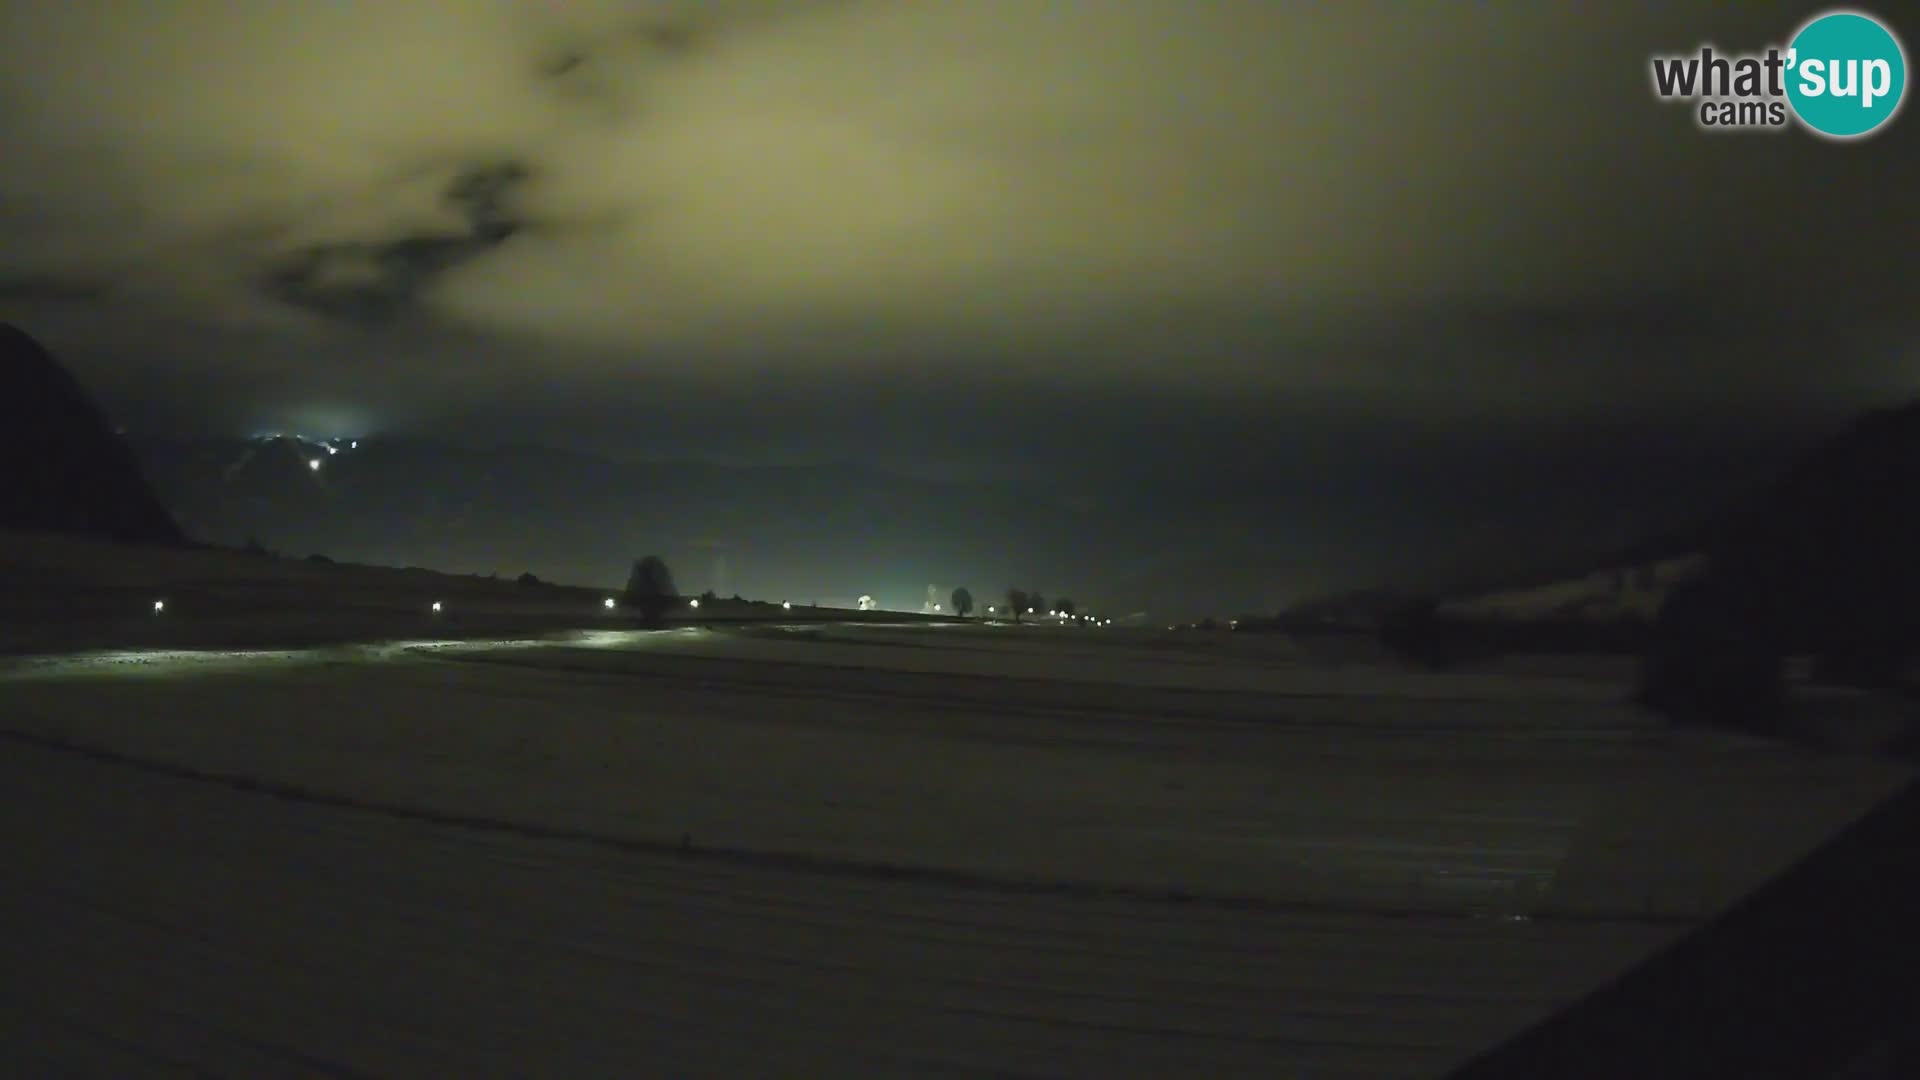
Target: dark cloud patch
pixel 376 282
pixel 561 64
pixel 484 194
pixel 673 39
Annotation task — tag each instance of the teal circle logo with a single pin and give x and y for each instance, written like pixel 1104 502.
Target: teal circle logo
pixel 1846 74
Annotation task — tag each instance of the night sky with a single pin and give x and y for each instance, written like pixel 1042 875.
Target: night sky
pixel 1086 246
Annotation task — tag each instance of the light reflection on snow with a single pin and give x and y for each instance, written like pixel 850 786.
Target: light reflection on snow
pixel 620 639
pixel 164 662
pixel 149 662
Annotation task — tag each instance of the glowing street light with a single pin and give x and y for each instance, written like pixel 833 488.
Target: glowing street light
pixel 936 609
pixel 435 608
pixel 159 606
pixel 694 603
pixel 786 605
pixel 1029 611
pixel 608 603
pixel 314 464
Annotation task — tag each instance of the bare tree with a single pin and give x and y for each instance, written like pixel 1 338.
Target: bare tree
pixel 1017 601
pixel 962 602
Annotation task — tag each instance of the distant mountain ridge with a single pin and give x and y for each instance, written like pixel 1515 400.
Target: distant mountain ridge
pixel 774 531
pixel 1841 520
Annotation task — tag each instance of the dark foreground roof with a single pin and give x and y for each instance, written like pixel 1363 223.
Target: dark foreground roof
pixel 1816 975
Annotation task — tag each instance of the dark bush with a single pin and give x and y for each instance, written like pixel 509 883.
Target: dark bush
pixel 650 590
pixel 1713 659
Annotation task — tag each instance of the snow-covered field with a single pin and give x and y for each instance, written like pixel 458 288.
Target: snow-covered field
pixel 1614 593
pixel 844 848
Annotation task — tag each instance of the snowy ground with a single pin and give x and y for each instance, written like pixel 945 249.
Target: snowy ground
pixel 846 849
pixel 61 593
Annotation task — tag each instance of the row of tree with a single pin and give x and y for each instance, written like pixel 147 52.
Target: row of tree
pixel 650 591
pixel 1022 602
pixel 1019 602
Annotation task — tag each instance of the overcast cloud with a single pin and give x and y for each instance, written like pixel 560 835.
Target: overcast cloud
pixel 1435 207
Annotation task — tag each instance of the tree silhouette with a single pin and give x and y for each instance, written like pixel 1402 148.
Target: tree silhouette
pixel 650 590
pixel 1037 602
pixel 962 602
pixel 1066 607
pixel 1017 601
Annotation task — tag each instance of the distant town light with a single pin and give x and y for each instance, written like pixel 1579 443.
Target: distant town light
pixel 695 602
pixel 332 450
pixel 354 445
pixel 314 464
pixel 1029 611
pixel 936 607
pixel 159 606
pixel 608 603
pixel 989 609
pixel 786 605
pixel 436 607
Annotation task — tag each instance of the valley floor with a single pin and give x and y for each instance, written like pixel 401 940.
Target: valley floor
pixel 849 849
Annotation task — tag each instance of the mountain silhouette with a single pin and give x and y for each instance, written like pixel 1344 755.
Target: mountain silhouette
pixel 1824 562
pixel 65 468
